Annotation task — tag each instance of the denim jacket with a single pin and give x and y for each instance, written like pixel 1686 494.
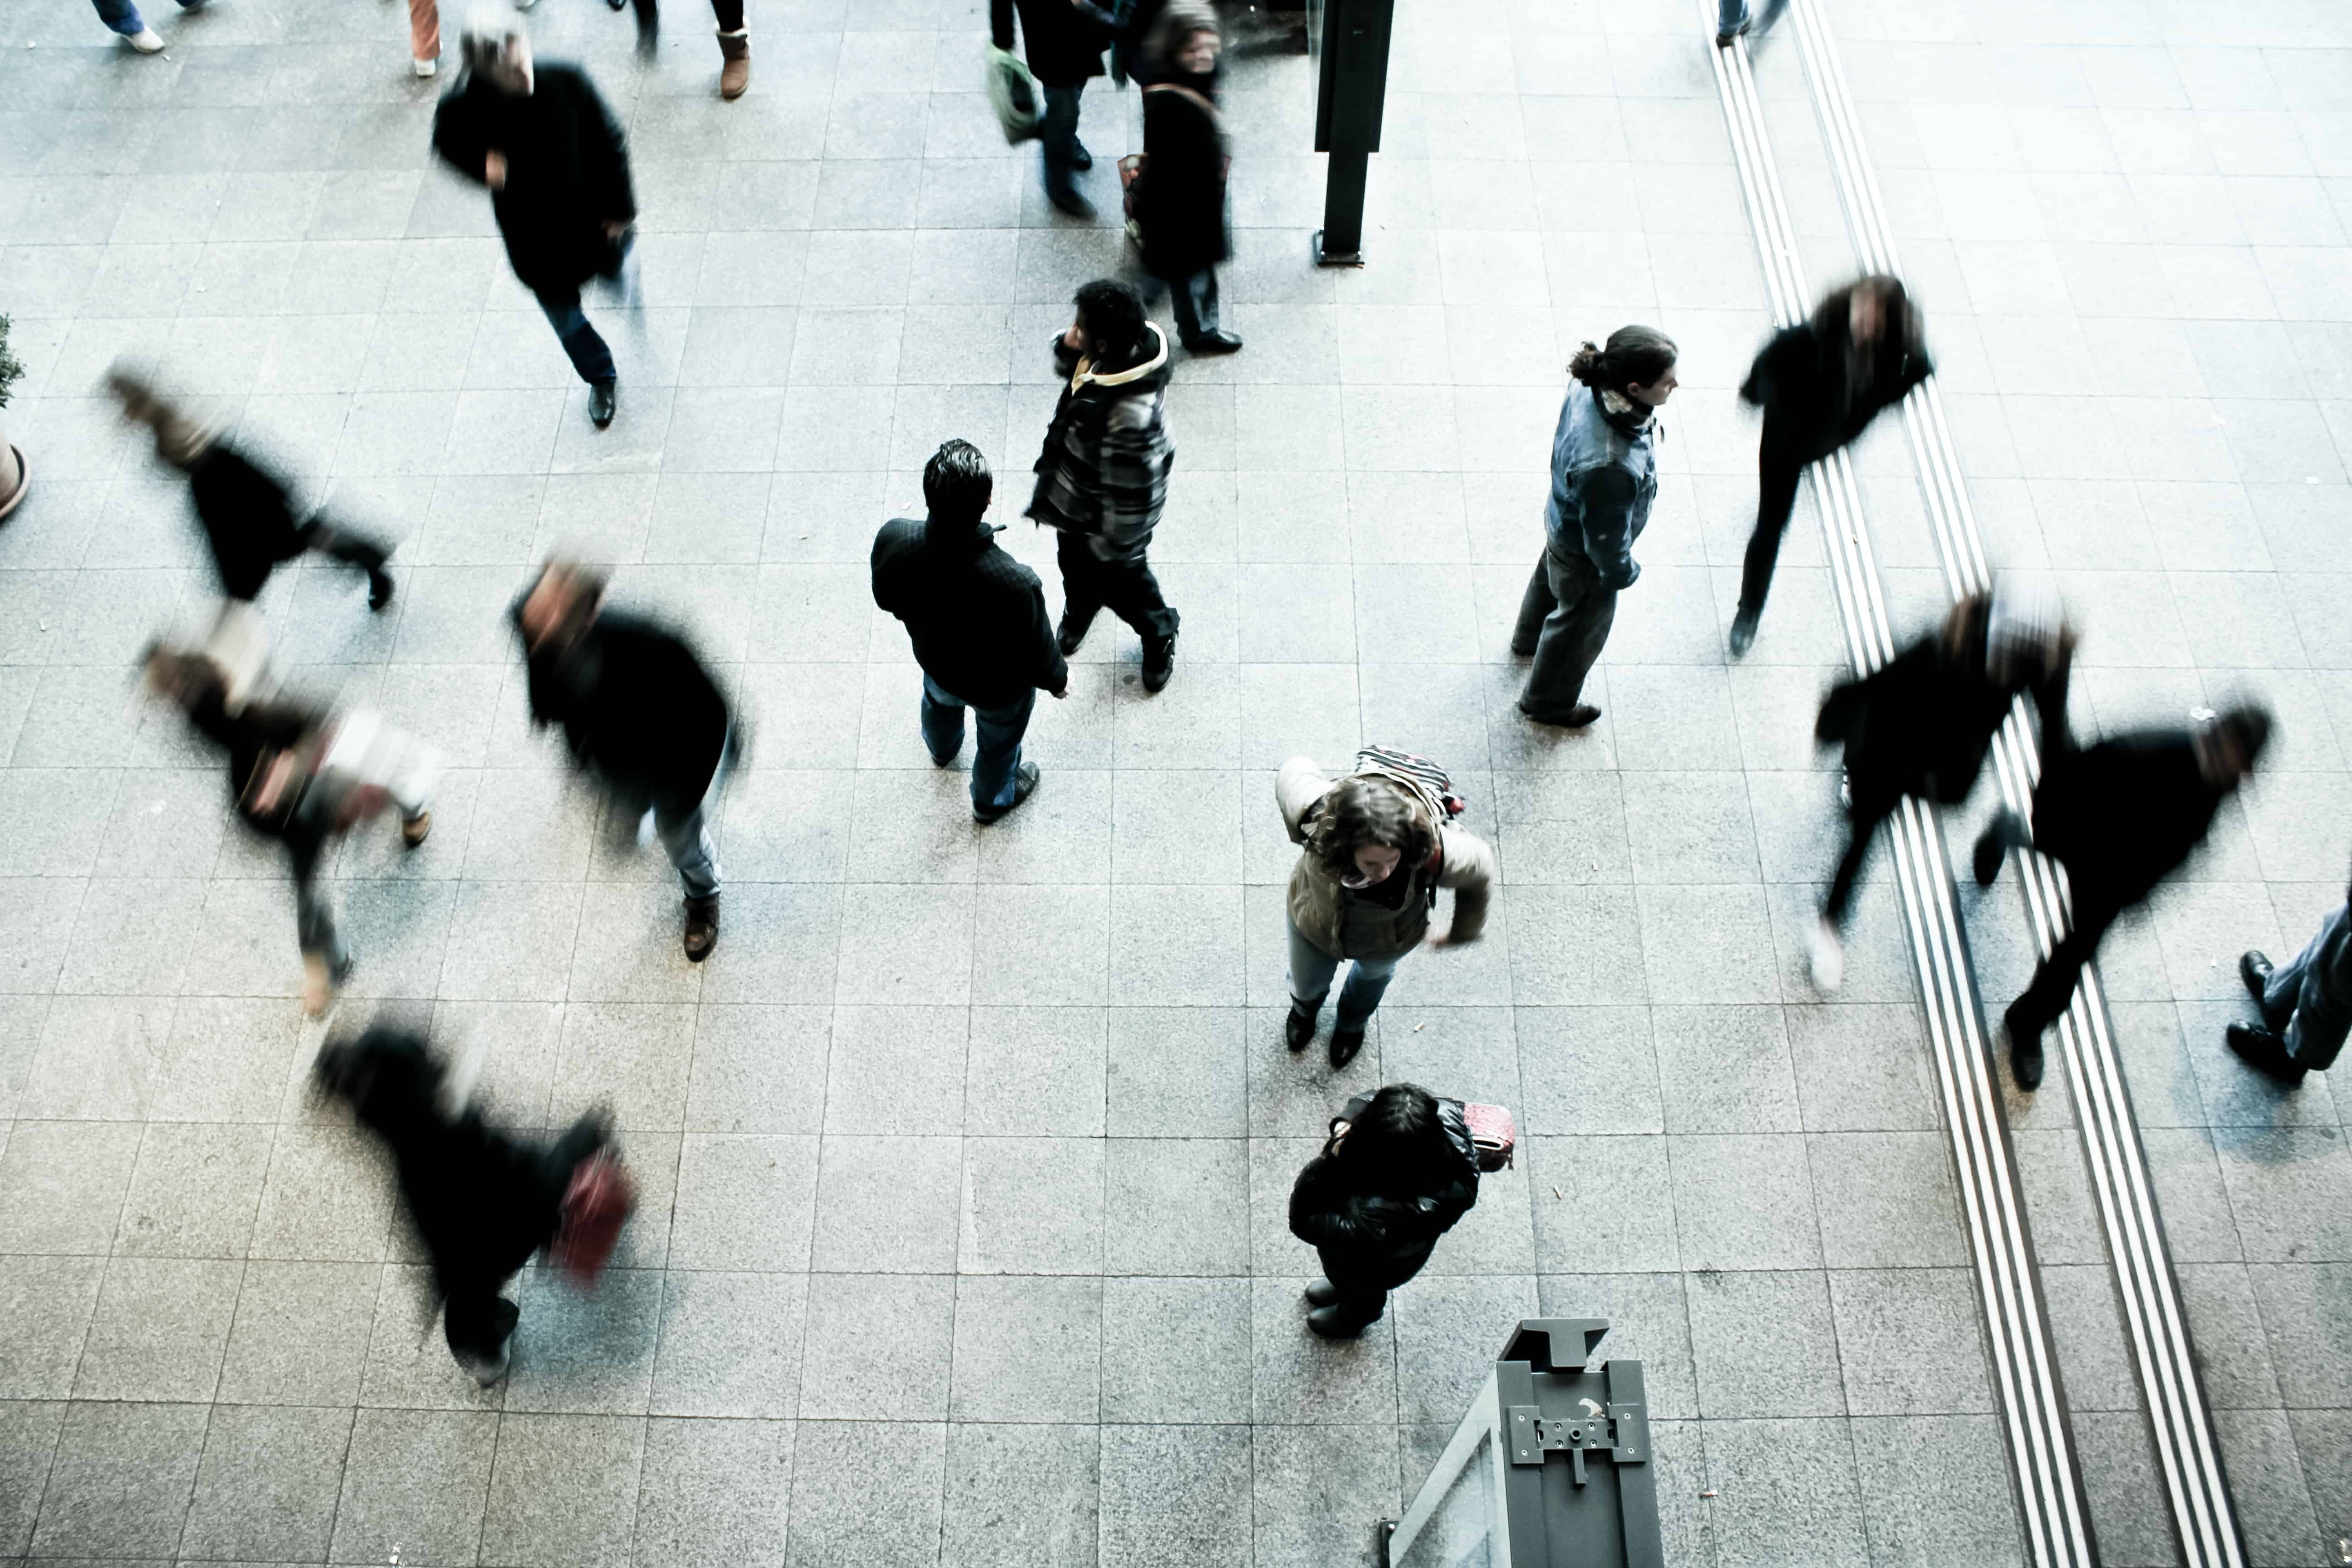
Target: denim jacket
pixel 1604 475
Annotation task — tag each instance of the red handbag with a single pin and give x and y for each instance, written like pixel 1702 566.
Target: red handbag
pixel 1492 1133
pixel 596 1203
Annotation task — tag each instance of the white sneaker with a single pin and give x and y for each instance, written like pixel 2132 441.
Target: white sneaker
pixel 1826 954
pixel 147 41
pixel 427 68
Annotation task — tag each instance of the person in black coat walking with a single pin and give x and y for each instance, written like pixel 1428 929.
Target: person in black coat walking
pixel 1180 198
pixel 1373 1203
pixel 2121 817
pixel 249 514
pixel 978 622
pixel 482 1201
pixel 639 713
pixel 1820 384
pixel 1063 41
pixel 557 166
pixel 1923 723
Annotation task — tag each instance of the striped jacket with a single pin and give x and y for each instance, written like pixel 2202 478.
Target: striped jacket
pixel 1103 471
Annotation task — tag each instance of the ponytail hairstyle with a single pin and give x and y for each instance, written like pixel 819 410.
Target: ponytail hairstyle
pixel 1636 356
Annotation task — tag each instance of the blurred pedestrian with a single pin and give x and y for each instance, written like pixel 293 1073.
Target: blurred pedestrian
pixel 1180 196
pixel 1604 475
pixel 557 166
pixel 1732 20
pixel 1923 723
pixel 303 777
pixel 1373 1203
pixel 1102 474
pixel 1063 41
pixel 482 1202
pixel 640 713
pixel 249 516
pixel 2306 1007
pixel 2120 817
pixel 1376 847
pixel 1132 22
pixel 1820 384
pixel 123 16
pixel 979 624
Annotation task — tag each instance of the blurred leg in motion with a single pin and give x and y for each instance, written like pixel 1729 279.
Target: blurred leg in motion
pixel 424 36
pixel 734 48
pixel 586 349
pixel 1058 133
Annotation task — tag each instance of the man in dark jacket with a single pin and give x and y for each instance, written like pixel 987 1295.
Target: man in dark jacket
pixel 482 1202
pixel 2120 817
pixel 249 515
pixel 1064 40
pixel 640 713
pixel 1820 384
pixel 1102 474
pixel 1398 1170
pixel 2306 1007
pixel 978 620
pixel 558 169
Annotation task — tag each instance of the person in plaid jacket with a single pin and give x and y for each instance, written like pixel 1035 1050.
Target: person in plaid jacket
pixel 1102 476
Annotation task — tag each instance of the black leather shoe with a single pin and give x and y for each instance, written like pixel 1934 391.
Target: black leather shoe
pixel 601 403
pixel 1071 203
pixel 1743 633
pixel 2254 968
pixel 379 590
pixel 1080 159
pixel 1322 1293
pixel 701 928
pixel 1297 1029
pixel 1067 635
pixel 1327 1323
pixel 1217 343
pixel 2265 1053
pixel 1344 1043
pixel 2024 1047
pixel 1024 784
pixel 1583 716
pixel 1723 39
pixel 1158 663
pixel 1990 853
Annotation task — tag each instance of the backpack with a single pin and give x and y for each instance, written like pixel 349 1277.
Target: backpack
pixel 1418 774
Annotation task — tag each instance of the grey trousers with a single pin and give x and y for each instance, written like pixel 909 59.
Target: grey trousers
pixel 1564 621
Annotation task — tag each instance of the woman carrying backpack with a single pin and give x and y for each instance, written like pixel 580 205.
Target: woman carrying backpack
pixel 1377 846
pixel 1373 1203
pixel 1179 203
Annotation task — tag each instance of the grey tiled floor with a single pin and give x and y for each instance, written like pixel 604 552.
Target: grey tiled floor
pixel 966 1156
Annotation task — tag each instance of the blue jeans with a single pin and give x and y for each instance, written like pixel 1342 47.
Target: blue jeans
pixel 123 16
pixel 998 757
pixel 2301 993
pixel 1311 969
pixel 1059 133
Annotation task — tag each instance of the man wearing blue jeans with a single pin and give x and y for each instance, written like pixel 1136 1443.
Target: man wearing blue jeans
pixel 123 16
pixel 1732 19
pixel 979 624
pixel 2306 1007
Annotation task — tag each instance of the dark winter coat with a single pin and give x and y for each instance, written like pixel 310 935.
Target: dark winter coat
pixel 567 171
pixel 1806 380
pixel 1179 203
pixel 636 705
pixel 977 615
pixel 1922 724
pixel 2122 816
pixel 1374 1239
pixel 1604 477
pixel 1063 42
pixel 1102 469
pixel 248 517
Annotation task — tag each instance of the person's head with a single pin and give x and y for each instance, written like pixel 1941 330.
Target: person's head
pixel 560 605
pixel 180 676
pixel 495 47
pixel 1366 829
pixel 385 1075
pixel 1398 1145
pixel 1109 323
pixel 1637 363
pixel 2025 632
pixel 1877 303
pixel 180 440
pixel 2229 742
pixel 957 484
pixel 1185 38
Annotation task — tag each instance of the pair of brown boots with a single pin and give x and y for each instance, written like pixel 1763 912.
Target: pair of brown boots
pixel 736 74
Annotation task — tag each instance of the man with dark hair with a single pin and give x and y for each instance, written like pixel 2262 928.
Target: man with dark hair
pixel 2120 817
pixel 978 620
pixel 1064 40
pixel 640 713
pixel 557 166
pixel 2306 1007
pixel 1102 476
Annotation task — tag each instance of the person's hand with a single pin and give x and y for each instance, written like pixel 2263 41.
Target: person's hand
pixel 494 169
pixel 1062 690
pixel 1438 936
pixel 614 227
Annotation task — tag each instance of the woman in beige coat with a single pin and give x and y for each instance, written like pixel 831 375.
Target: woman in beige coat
pixel 1376 849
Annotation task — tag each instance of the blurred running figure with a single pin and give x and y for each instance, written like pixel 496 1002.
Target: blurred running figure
pixel 1064 40
pixel 2306 1007
pixel 557 166
pixel 303 777
pixel 1604 475
pixel 639 713
pixel 2121 817
pixel 482 1202
pixel 1732 20
pixel 1922 724
pixel 1820 384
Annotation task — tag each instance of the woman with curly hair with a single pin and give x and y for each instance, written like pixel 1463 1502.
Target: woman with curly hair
pixel 1377 848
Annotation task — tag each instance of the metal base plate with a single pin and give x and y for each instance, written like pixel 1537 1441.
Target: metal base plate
pixel 1335 259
